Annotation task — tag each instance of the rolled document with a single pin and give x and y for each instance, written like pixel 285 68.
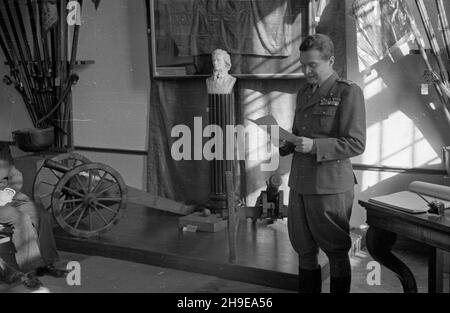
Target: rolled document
pixel 432 190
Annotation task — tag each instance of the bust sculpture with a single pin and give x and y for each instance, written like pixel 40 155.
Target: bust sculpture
pixel 221 82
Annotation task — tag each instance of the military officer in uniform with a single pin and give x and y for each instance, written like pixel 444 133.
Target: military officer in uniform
pixel 330 127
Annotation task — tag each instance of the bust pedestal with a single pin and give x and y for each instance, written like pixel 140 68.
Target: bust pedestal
pixel 221 113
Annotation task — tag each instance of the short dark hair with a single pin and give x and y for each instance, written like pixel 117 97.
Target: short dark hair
pixel 5 152
pixel 319 42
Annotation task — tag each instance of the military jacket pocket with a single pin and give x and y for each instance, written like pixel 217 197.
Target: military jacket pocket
pixel 324 117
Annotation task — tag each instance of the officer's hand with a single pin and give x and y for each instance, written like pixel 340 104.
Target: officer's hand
pixel 6 196
pixel 3 202
pixel 304 145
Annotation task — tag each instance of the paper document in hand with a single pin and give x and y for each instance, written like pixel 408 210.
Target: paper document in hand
pixel 266 122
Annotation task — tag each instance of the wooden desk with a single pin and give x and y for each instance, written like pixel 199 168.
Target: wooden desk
pixel 384 226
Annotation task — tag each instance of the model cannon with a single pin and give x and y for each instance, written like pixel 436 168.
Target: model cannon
pixel 269 205
pixel 85 198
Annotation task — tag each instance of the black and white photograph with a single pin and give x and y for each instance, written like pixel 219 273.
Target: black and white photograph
pixel 225 155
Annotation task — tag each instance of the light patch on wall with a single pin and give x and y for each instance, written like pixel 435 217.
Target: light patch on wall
pixel 436 161
pixel 373 85
pixel 372 154
pixel 405 48
pixel 395 142
pixel 370 178
pixel 370 77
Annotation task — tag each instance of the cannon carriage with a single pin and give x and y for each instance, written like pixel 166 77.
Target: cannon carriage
pixel 85 198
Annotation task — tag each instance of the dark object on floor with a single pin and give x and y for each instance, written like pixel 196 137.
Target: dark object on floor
pixel 10 276
pixel 310 281
pixel 34 140
pixel 8 269
pixel 31 282
pixel 340 285
pixel 7 249
pixel 52 271
pixel 206 212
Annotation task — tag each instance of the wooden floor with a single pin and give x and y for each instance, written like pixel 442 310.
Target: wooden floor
pixel 105 275
pixel 99 274
pixel 264 253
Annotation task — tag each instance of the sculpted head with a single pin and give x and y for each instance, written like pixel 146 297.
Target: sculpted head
pixel 221 61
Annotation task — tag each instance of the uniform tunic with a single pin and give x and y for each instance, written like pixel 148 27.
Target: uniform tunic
pixel 322 182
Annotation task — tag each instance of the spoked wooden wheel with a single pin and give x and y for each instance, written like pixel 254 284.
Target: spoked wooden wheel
pixel 46 178
pixel 89 199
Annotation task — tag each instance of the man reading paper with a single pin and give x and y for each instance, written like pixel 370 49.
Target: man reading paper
pixel 330 127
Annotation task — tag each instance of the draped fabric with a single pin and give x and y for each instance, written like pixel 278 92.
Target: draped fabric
pixel 176 102
pixel 251 27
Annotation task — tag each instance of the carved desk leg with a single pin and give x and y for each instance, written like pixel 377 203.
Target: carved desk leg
pixel 435 271
pixel 379 243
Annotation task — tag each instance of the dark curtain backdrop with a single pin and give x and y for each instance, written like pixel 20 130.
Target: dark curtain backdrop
pixel 176 102
pixel 179 102
pixel 258 33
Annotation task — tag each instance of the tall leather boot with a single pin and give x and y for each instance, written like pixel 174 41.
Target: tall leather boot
pixel 310 281
pixel 340 285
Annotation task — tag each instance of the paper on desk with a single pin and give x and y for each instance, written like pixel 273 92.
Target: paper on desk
pixel 267 121
pixel 409 200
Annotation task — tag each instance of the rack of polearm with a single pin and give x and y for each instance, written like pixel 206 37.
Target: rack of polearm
pixel 34 36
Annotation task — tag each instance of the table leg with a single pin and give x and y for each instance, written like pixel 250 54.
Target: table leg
pixel 379 243
pixel 435 271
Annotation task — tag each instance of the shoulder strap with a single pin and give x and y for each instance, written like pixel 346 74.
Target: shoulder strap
pixel 345 81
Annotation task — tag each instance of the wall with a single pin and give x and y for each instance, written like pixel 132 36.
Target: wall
pixel 404 130
pixel 111 100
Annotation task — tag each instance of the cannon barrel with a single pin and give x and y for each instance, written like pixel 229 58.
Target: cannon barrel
pixel 56 166
pixel 273 187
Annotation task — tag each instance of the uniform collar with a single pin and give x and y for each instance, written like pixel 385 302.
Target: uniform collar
pixel 322 91
pixel 326 86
